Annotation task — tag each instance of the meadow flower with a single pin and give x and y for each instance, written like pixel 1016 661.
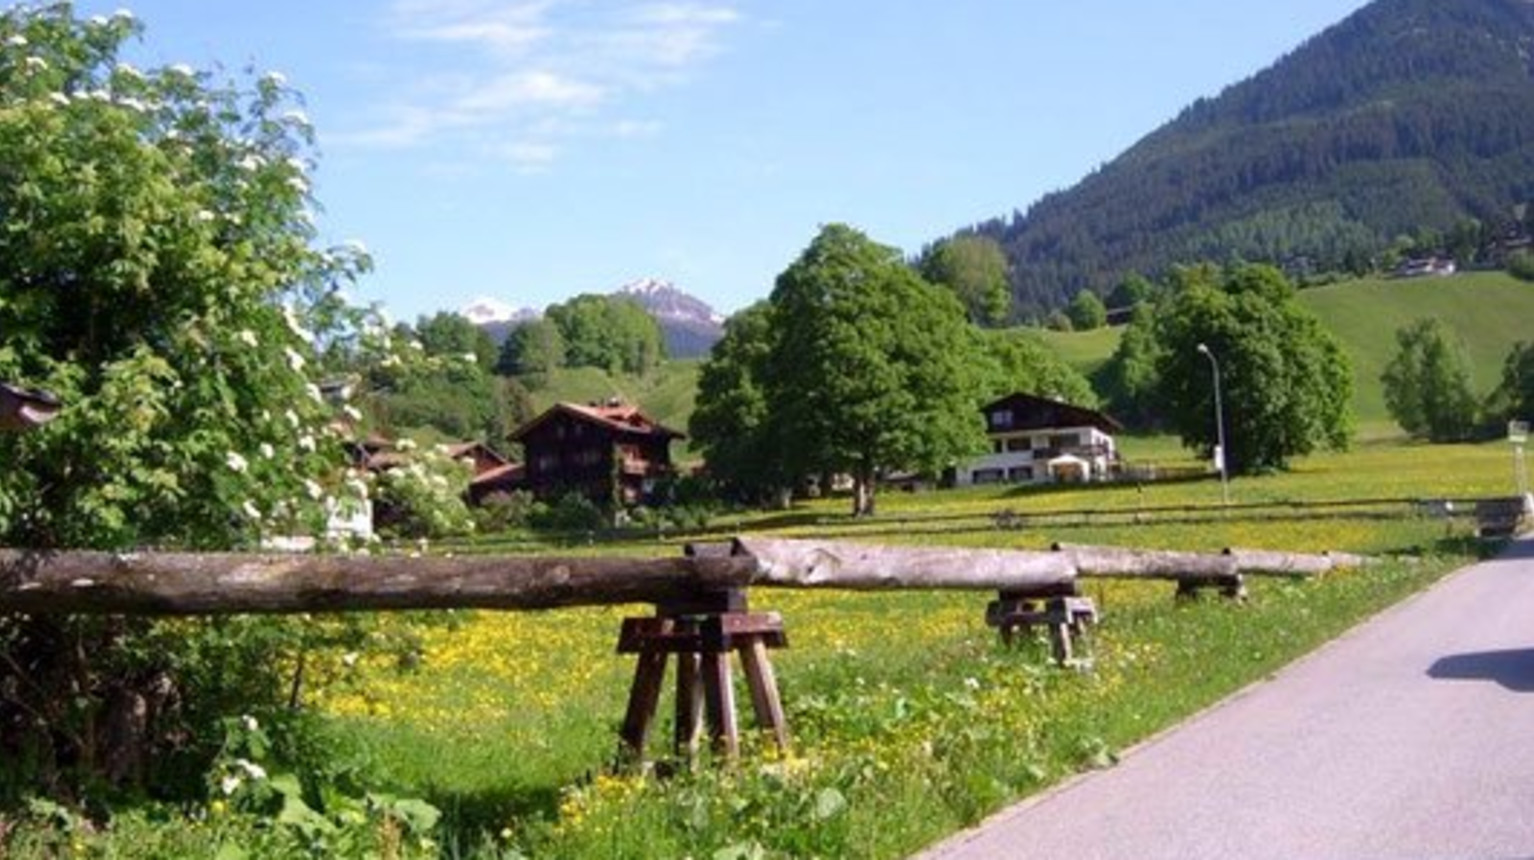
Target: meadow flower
pixel 236 462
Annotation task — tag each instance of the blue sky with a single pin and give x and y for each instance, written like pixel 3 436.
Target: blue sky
pixel 531 150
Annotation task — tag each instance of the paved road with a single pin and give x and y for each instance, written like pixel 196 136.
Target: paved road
pixel 1411 736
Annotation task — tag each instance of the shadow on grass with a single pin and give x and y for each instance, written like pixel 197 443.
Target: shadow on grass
pixel 472 818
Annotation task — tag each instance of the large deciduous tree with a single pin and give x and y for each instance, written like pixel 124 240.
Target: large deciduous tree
pixel 975 269
pixel 1286 382
pixel 730 425
pixel 158 272
pixel 1427 384
pixel 609 332
pixel 1513 399
pixel 870 368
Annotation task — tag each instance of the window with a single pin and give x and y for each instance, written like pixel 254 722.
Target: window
pixel 1062 441
pixel 1019 444
pixel 1020 475
pixel 1001 419
pixel 987 476
pixel 996 446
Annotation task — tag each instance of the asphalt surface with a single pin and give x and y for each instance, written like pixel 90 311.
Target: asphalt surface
pixel 1410 736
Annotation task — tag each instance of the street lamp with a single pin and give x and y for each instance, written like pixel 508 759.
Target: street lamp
pixel 1219 426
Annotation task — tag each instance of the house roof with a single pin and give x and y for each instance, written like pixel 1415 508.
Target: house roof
pixel 460 450
pixel 619 417
pixel 508 473
pixel 1031 412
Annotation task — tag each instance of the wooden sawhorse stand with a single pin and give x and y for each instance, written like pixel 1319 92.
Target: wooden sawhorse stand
pixel 702 632
pixel 1065 613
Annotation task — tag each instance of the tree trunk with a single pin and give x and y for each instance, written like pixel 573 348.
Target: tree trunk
pixel 863 493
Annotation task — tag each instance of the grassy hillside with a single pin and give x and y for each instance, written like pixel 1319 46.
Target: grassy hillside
pixel 1490 311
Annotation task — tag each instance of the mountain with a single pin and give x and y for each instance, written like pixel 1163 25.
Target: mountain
pixel 690 326
pixel 496 317
pixel 1408 117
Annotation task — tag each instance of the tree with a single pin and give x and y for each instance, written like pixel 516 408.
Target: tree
pixel 870 368
pixel 1130 381
pixel 1019 361
pixel 610 332
pixel 450 334
pixel 730 425
pixel 531 352
pixel 1087 311
pixel 975 269
pixel 1427 384
pixel 159 273
pixel 1513 400
pixel 1131 291
pixel 1286 382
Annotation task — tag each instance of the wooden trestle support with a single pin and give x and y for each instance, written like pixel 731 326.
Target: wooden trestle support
pixel 1063 612
pixel 701 633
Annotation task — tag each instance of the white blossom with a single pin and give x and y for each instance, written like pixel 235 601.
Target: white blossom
pixel 292 418
pixel 248 338
pixel 267 451
pixel 236 462
pixel 205 215
pixel 295 360
pixel 297 117
pixel 290 316
pixel 249 722
pixel 306 442
pixel 229 784
pixel 314 392
pixel 250 509
pixel 276 79
pixel 313 489
pixel 352 412
pixel 252 770
pixel 181 69
pixel 59 99
pixel 16 40
pixel 36 64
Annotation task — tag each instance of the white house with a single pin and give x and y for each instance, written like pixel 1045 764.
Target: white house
pixel 1035 440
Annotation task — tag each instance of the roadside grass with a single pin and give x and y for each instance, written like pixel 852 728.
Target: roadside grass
pixel 909 719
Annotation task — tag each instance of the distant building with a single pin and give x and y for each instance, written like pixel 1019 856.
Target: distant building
pixel 1035 440
pixel 492 472
pixel 1422 267
pixel 611 453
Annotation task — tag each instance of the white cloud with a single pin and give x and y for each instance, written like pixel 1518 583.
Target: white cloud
pixel 539 73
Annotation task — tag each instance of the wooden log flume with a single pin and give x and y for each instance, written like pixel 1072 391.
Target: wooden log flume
pixel 152 583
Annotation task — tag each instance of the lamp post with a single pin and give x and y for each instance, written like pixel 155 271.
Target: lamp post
pixel 1219 426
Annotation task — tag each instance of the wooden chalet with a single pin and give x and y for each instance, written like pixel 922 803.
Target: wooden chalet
pixel 1037 440
pixel 611 453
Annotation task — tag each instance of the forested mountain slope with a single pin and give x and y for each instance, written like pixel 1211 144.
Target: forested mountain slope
pixel 1408 115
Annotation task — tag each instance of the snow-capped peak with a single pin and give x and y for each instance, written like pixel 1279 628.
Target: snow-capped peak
pixel 663 300
pixel 486 310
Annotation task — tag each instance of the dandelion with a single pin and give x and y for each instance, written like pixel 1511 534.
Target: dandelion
pixel 236 462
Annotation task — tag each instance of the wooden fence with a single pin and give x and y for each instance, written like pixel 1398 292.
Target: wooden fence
pixel 701 613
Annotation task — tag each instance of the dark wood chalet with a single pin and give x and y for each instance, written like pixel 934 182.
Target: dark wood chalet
pixel 610 453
